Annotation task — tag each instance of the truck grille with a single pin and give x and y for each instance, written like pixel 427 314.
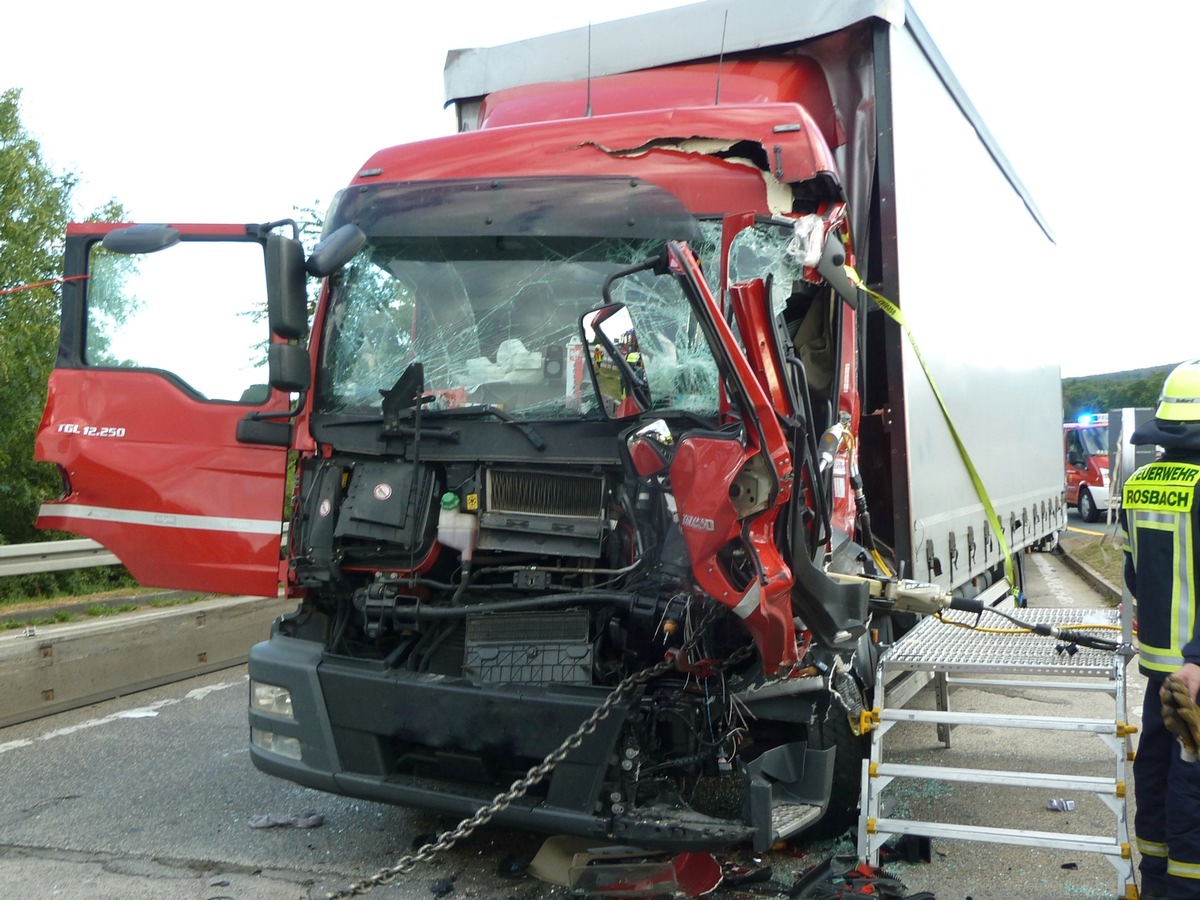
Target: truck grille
pixel 529 648
pixel 539 493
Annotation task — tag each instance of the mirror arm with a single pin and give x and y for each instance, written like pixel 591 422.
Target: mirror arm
pixel 657 263
pixel 266 229
pixel 832 269
pixel 290 413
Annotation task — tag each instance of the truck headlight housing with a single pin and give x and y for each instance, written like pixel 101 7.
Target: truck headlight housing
pixel 271 699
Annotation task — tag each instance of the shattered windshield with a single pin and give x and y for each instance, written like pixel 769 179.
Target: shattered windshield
pixel 496 321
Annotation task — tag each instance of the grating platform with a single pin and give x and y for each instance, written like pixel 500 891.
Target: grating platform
pixel 937 646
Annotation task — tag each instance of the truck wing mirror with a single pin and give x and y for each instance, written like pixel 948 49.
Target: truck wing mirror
pixel 336 250
pixel 141 239
pixel 287 297
pixel 832 269
pixel 651 448
pixel 287 367
pixel 615 361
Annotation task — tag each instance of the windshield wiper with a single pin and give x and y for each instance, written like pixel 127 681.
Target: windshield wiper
pixel 402 403
pixel 525 428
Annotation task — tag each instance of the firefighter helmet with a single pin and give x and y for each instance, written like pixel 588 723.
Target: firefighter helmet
pixel 1180 400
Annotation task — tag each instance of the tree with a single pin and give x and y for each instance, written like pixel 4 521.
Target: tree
pixel 34 205
pixel 34 210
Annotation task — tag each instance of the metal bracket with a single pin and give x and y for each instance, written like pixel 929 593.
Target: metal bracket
pixel 932 563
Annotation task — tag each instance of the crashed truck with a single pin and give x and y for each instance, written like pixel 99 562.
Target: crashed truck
pixel 594 408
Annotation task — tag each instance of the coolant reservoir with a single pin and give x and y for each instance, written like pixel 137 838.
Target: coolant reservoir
pixel 456 528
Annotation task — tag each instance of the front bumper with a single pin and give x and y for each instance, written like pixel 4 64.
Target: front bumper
pixel 449 746
pixel 1099 494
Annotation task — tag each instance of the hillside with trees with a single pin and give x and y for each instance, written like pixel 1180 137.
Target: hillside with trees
pixel 1114 390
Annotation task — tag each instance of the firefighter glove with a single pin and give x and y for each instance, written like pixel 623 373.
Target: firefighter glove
pixel 1181 715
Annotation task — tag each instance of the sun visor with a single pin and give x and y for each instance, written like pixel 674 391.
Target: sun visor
pixel 539 206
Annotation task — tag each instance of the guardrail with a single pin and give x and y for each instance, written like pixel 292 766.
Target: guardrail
pixel 54 556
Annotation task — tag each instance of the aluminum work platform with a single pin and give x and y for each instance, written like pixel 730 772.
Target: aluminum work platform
pixel 944 656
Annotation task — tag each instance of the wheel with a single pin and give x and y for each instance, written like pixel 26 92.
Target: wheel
pixel 1087 506
pixel 833 730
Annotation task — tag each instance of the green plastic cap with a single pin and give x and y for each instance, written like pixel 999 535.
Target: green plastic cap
pixel 449 500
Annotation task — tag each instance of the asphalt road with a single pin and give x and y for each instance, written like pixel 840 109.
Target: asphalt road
pixel 150 796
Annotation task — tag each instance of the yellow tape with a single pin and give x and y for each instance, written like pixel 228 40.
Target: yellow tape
pixel 893 312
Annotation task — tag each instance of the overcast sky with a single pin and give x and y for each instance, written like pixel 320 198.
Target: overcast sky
pixel 239 112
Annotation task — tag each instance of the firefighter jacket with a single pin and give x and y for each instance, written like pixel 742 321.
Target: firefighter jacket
pixel 1160 524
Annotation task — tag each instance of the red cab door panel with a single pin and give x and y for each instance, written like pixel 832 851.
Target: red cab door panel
pixel 161 356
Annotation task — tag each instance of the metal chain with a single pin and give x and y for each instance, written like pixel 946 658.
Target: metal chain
pixel 743 652
pixel 520 787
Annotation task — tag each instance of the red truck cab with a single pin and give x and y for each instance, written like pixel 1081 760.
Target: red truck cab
pixel 1085 453
pixel 584 426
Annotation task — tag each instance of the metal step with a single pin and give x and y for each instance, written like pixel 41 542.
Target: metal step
pixel 994 720
pixel 1042 780
pixel 1079 843
pixel 791 818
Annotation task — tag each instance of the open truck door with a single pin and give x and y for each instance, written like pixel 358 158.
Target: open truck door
pixel 168 408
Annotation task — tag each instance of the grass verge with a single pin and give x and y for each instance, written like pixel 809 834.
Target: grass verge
pixel 56 610
pixel 1104 557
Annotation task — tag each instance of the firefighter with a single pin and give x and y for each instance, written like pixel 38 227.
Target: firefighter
pixel 1160 523
pixel 634 358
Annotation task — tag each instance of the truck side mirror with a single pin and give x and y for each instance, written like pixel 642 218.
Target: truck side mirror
pixel 615 360
pixel 287 297
pixel 651 448
pixel 336 250
pixel 287 367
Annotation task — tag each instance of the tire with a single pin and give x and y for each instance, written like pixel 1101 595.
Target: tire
pixel 833 730
pixel 1087 506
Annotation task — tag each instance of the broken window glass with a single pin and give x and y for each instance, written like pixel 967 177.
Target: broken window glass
pixel 496 320
pixel 767 250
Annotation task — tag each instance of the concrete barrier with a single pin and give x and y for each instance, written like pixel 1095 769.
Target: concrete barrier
pixel 58 667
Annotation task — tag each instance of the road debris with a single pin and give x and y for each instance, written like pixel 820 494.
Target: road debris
pixel 303 820
pixel 594 869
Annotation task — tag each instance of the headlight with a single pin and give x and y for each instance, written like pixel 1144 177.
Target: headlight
pixel 270 698
pixel 1104 477
pixel 275 743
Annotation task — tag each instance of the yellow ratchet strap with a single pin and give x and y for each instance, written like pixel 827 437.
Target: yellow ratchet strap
pixel 893 312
